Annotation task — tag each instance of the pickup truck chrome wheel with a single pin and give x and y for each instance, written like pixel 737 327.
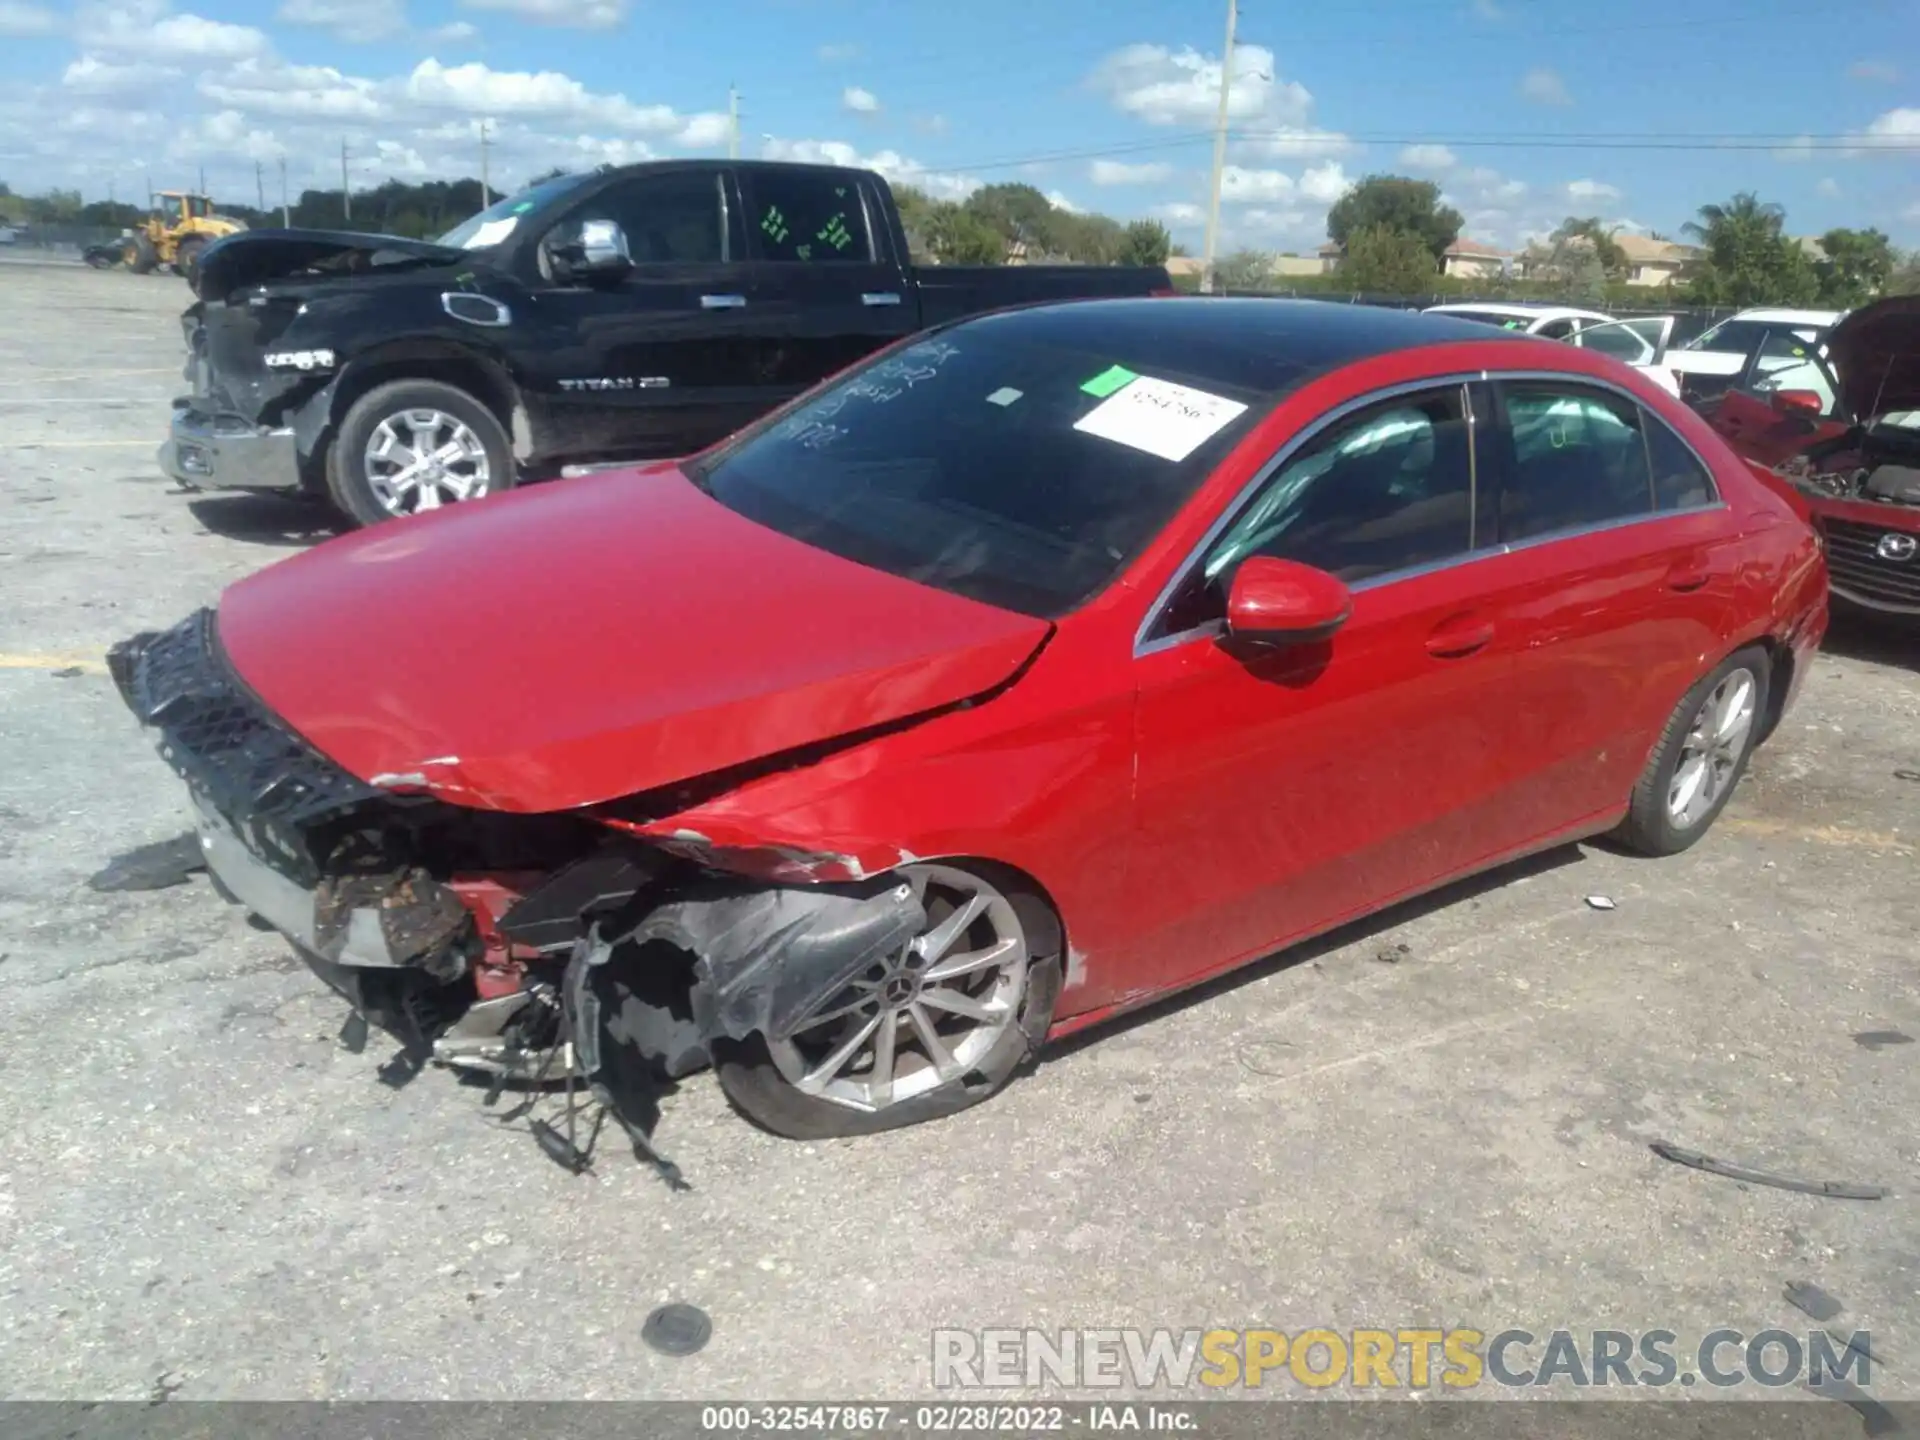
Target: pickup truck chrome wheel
pixel 927 1017
pixel 1715 744
pixel 421 458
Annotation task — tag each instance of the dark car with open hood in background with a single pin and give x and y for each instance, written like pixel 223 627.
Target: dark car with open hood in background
pixel 633 313
pixel 1840 422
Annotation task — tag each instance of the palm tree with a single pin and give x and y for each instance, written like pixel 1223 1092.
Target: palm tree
pixel 1746 257
pixel 1744 217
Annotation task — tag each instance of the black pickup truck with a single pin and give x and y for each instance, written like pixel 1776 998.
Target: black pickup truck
pixel 626 314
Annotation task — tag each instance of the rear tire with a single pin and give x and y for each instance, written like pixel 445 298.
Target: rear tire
pixel 760 1078
pixel 414 445
pixel 1700 757
pixel 142 258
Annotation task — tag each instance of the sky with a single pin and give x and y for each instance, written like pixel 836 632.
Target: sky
pixel 1524 111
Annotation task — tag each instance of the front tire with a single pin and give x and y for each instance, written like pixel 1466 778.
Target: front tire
pixel 948 1025
pixel 142 258
pixel 186 258
pixel 1700 757
pixel 415 445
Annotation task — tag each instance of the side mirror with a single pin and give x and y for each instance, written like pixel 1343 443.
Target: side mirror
pixel 1805 403
pixel 1282 602
pixel 598 252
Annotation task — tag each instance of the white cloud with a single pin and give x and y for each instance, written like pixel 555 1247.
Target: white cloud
pixel 1428 157
pixel 227 133
pixel 90 75
pixel 356 21
pixel 1240 185
pixel 1182 87
pixel 481 90
pixel 272 88
pixel 833 53
pixel 1179 212
pixel 1115 172
pixel 859 101
pixel 1592 190
pixel 703 131
pixel 19 18
pixel 1326 183
pixel 1912 212
pixel 1545 87
pixel 1061 202
pixel 1877 70
pixel 569 14
pixel 454 32
pixel 897 168
pixel 1488 10
pixel 1897 128
pixel 1829 187
pixel 144 28
pixel 1293 142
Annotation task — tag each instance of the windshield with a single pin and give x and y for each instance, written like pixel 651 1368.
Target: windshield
pixel 1741 336
pixel 499 220
pixel 989 463
pixel 1490 317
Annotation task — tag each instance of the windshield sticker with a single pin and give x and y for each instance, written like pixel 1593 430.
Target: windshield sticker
pixel 523 207
pixel 1108 381
pixel 1159 417
pixel 1005 395
pixel 493 232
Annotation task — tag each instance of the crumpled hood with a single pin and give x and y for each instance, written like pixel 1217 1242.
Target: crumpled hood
pixel 253 257
pixel 574 643
pixel 1875 351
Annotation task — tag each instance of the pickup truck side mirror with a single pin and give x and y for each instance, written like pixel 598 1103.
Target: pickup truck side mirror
pixel 598 251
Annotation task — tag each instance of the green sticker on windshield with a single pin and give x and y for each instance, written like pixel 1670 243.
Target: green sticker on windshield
pixel 523 207
pixel 1109 380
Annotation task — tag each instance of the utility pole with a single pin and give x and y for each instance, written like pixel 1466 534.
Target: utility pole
pixel 733 123
pixel 286 215
pixel 346 186
pixel 1219 154
pixel 486 191
pixel 203 179
pixel 260 185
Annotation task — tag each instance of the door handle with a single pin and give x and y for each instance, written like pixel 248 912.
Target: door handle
pixel 880 297
pixel 1456 639
pixel 1688 578
pixel 723 302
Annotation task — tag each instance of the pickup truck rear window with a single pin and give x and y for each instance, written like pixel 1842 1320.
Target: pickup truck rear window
pixel 987 463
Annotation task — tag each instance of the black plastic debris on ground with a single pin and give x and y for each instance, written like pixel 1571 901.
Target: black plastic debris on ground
pixel 677 1329
pixel 153 867
pixel 1805 1295
pixel 1831 1189
pixel 1881 1039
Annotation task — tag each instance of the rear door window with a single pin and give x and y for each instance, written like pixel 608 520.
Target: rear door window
pixel 1579 460
pixel 807 218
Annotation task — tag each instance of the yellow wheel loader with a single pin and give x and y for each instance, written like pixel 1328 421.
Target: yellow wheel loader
pixel 181 226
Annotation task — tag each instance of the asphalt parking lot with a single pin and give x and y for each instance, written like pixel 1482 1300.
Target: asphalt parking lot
pixel 1440 1120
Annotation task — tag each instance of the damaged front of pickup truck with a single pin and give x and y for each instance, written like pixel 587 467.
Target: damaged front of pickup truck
pixel 471 819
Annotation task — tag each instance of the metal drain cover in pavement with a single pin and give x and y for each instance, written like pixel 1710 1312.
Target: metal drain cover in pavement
pixel 677 1329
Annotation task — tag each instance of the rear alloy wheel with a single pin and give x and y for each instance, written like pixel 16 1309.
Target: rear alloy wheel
pixel 1693 770
pixel 939 1027
pixel 416 445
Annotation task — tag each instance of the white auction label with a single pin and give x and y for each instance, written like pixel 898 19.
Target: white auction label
pixel 1160 417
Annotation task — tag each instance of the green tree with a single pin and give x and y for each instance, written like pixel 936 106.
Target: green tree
pixel 1146 243
pixel 1394 202
pixel 1599 238
pixel 957 236
pixel 1020 214
pixel 1747 258
pixel 1243 270
pixel 1384 260
pixel 1857 267
pixel 1905 279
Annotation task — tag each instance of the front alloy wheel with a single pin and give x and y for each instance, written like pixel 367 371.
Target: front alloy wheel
pixel 938 1027
pixel 419 459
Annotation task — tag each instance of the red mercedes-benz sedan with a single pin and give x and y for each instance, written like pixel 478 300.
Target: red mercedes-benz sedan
pixel 1040 666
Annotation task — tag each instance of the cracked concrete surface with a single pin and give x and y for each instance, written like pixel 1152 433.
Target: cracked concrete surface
pixel 198 1183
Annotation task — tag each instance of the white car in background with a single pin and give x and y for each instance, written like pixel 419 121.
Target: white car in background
pixel 1641 341
pixel 1711 362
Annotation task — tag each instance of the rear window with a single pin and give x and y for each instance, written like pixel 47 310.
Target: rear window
pixel 985 461
pixel 1489 317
